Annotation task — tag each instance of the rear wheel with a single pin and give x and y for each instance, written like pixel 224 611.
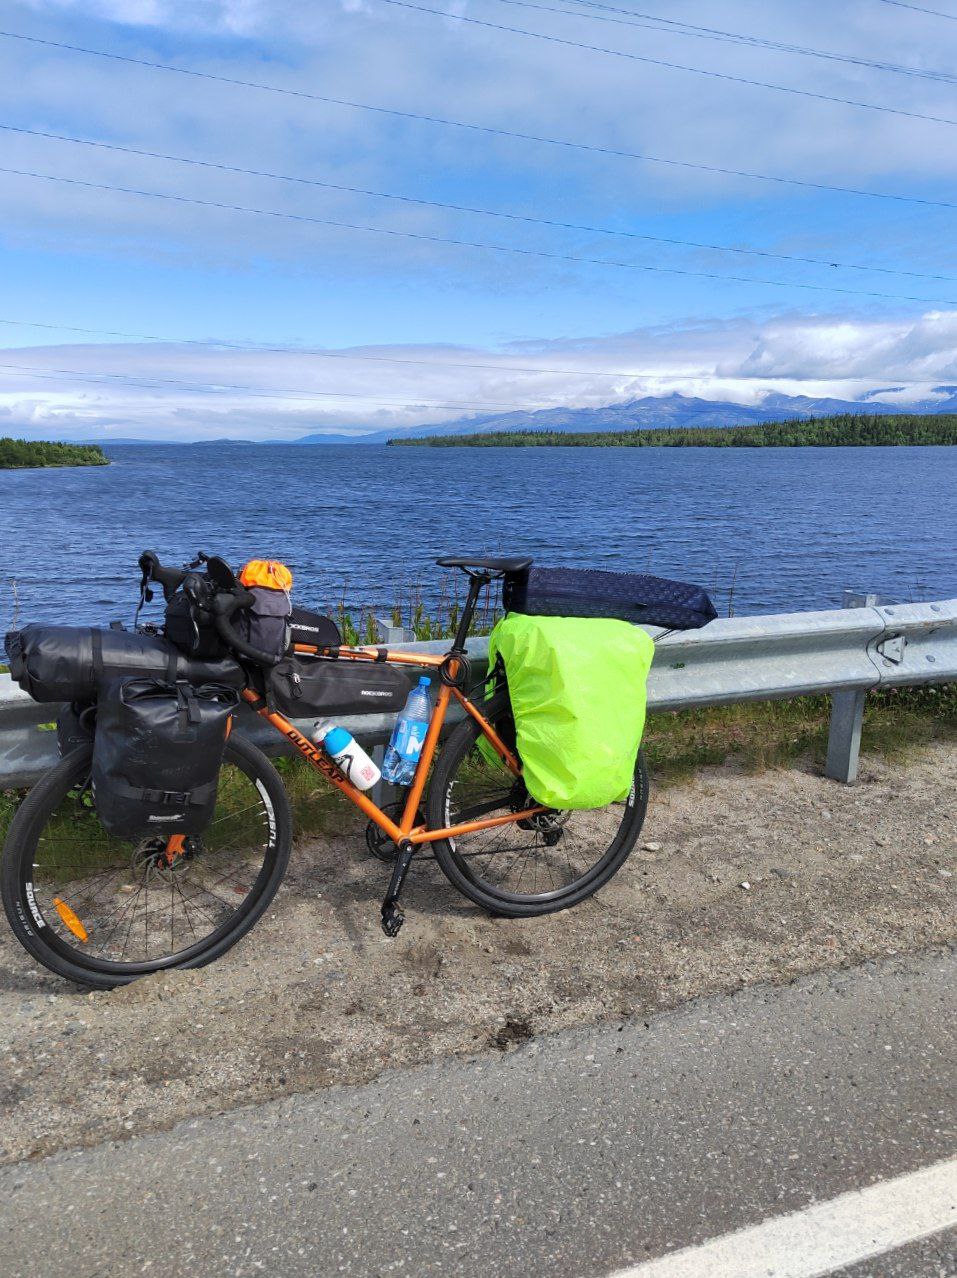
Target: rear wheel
pixel 103 911
pixel 546 863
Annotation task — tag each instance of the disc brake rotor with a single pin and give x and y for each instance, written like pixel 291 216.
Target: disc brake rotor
pixel 149 860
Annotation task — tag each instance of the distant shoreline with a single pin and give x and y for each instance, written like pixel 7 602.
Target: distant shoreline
pixel 843 431
pixel 41 454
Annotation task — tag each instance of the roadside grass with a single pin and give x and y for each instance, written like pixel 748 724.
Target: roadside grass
pixel 770 734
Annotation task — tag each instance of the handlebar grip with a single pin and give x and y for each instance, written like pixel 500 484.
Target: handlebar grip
pixel 169 578
pixel 223 607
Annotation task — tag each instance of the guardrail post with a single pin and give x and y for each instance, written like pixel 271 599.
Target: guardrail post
pixel 847 716
pixel 388 633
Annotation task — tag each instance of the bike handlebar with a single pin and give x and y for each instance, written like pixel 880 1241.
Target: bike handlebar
pixel 169 578
pixel 212 595
pixel 222 606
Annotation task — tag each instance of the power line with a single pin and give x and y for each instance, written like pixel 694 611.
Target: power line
pixel 482 212
pixel 444 122
pixel 934 13
pixel 670 26
pixel 149 380
pixel 673 66
pixel 484 245
pixel 249 346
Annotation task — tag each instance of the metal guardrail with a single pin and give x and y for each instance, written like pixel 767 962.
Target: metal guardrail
pixel 846 652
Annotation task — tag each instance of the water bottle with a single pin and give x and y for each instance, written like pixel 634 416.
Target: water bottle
pixel 408 736
pixel 344 750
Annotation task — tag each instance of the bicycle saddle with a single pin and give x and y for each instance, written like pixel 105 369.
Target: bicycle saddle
pixel 512 563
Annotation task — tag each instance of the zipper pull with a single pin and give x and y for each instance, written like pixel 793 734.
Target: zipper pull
pixel 296 684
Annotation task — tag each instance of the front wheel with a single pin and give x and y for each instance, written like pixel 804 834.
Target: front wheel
pixel 103 911
pixel 536 866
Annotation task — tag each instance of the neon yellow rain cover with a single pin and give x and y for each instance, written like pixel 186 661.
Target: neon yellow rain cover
pixel 577 687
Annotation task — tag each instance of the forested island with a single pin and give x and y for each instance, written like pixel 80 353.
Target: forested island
pixel 846 430
pixel 20 454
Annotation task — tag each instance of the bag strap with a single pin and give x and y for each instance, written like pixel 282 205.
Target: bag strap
pixel 96 644
pixel 175 798
pixel 187 705
pixel 172 665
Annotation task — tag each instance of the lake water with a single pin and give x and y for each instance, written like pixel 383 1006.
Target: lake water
pixel 791 527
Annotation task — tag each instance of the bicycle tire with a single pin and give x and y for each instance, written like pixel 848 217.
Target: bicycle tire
pixel 39 938
pixel 460 868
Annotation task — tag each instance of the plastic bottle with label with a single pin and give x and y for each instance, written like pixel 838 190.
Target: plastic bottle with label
pixel 344 750
pixel 408 735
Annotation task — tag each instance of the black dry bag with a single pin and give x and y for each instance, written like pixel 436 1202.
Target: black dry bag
pixel 157 754
pixel 71 663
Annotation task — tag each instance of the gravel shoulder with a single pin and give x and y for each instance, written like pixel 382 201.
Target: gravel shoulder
pixel 740 879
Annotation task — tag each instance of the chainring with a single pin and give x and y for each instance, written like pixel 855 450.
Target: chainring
pixel 378 842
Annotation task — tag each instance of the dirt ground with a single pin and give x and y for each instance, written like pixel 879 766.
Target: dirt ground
pixel 739 879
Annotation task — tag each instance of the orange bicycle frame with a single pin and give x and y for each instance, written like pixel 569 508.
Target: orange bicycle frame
pixel 406 829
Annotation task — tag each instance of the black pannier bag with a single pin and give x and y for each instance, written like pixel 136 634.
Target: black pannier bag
pixel 592 592
pixel 313 628
pixel 68 663
pixel 157 754
pixel 301 686
pixel 75 727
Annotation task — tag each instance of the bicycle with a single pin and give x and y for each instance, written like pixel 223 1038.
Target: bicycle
pixel 79 900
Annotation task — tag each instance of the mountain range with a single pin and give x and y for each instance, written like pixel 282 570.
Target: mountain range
pixel 651 411
pixel 655 411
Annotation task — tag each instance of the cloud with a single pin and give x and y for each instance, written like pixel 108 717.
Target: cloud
pixel 382 55
pixel 181 391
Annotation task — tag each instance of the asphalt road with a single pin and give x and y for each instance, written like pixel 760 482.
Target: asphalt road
pixel 579 1154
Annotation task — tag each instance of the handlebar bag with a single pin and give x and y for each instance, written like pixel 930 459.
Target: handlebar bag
pixel 192 630
pixel 300 686
pixel 157 753
pixel 577 692
pixel 68 663
pixel 591 592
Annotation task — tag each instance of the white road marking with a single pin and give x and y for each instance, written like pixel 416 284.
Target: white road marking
pixel 825 1236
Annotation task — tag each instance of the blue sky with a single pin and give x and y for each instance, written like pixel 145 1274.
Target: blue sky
pixel 104 260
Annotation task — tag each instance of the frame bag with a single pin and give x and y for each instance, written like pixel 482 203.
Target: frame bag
pixel 300 686
pixel 157 753
pixel 591 592
pixel 314 629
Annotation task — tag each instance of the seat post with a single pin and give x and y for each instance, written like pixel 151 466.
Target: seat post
pixel 476 582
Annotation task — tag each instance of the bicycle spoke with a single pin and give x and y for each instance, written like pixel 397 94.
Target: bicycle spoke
pixel 134 907
pixel 536 858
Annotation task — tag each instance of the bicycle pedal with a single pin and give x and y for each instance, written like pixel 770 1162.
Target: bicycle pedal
pixel 392 920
